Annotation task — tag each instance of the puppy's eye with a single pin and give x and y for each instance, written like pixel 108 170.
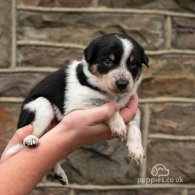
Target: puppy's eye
pixel 133 64
pixel 107 62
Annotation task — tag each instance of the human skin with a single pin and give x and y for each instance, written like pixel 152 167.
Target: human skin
pixel 21 172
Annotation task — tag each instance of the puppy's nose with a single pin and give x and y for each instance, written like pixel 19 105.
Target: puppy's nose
pixel 122 83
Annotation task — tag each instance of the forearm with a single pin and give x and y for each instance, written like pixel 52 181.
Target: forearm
pixel 21 173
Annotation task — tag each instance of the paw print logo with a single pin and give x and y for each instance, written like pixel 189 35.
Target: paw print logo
pixel 159 170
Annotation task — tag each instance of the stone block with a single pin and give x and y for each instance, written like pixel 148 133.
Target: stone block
pixel 171 65
pixel 177 156
pixel 50 191
pixel 174 119
pixel 47 56
pixel 167 87
pixel 188 5
pixel 81 28
pixel 128 192
pixel 5 33
pixel 9 114
pixel 171 5
pixel 104 163
pixel 191 192
pixel 18 84
pixel 183 33
pixel 56 3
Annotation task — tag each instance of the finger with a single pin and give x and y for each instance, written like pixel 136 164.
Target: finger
pixel 19 136
pixel 94 115
pixel 94 134
pixel 102 132
pixel 100 114
pixel 129 112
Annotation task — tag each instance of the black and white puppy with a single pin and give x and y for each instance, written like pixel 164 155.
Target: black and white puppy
pixel 110 71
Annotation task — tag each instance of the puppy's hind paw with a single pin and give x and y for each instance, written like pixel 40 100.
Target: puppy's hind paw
pixel 136 152
pixel 61 179
pixel 31 141
pixel 60 175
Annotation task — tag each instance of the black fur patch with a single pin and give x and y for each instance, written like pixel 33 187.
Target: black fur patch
pixel 83 79
pixel 26 118
pixel 100 49
pixel 52 87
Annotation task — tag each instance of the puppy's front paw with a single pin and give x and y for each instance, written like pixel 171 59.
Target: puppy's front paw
pixel 31 141
pixel 118 127
pixel 120 131
pixel 136 152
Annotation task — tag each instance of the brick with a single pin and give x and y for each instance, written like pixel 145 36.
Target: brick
pixel 127 192
pixel 8 120
pixel 170 64
pixel 104 163
pixel 183 33
pixel 18 84
pixel 176 156
pixel 174 119
pixel 47 57
pixel 50 191
pixel 5 33
pixel 81 28
pixel 167 86
pixel 56 3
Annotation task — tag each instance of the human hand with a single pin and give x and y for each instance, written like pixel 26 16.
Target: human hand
pixel 87 126
pixel 17 139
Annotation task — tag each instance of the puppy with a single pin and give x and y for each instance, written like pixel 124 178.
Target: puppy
pixel 110 71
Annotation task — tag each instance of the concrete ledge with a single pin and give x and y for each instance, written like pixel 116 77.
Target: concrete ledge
pixel 78 46
pixel 142 101
pixel 167 100
pixel 118 187
pixel 11 100
pixel 27 69
pixel 48 44
pixel 104 10
pixel 171 137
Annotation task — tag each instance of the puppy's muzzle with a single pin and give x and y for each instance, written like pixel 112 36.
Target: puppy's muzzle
pixel 122 84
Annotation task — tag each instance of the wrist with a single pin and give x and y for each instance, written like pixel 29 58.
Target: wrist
pixel 59 141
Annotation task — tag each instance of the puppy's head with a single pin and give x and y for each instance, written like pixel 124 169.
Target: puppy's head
pixel 116 61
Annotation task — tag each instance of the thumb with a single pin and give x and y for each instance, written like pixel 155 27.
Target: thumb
pixel 18 137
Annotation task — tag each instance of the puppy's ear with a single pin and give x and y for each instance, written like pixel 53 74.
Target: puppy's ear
pixel 145 59
pixel 90 51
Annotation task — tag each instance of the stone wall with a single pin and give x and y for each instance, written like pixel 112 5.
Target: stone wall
pixel 38 36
